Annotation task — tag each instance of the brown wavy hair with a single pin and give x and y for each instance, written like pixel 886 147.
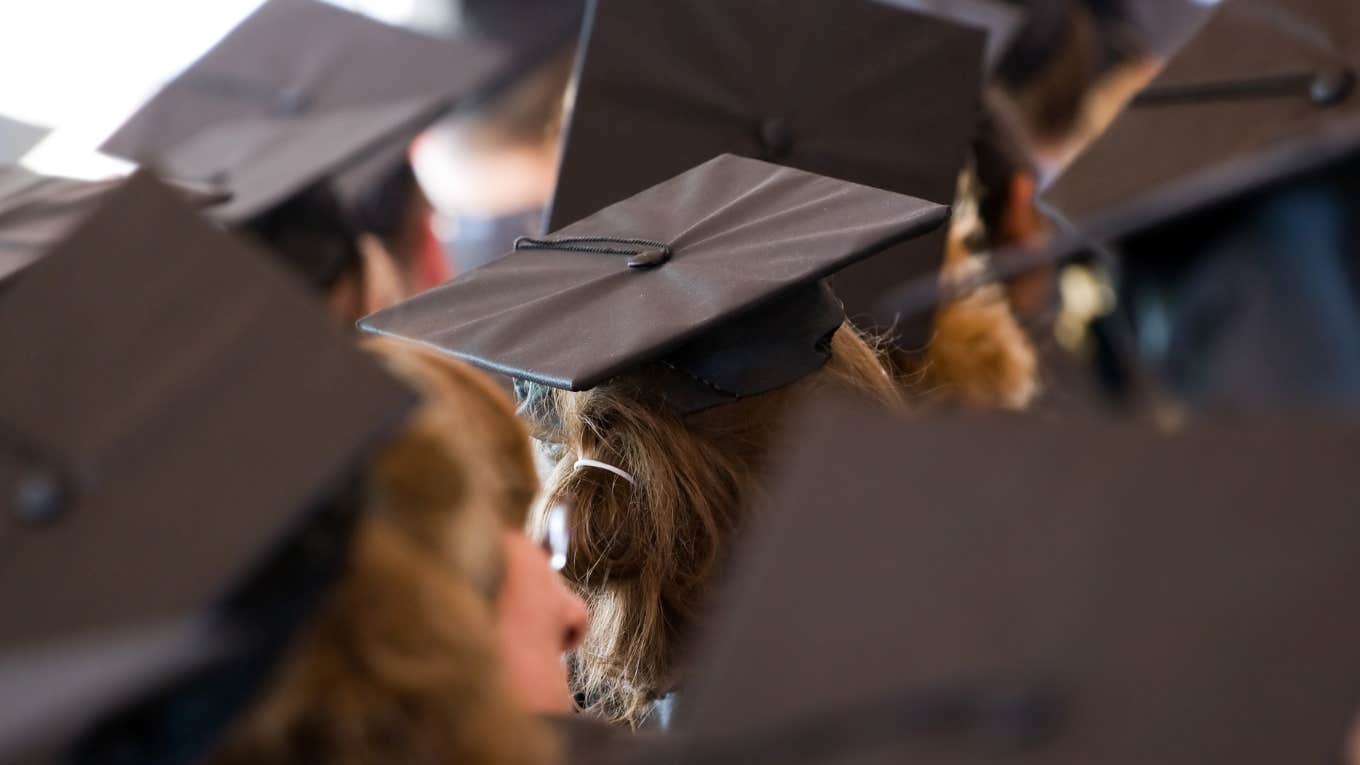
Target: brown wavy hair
pixel 398 664
pixel 979 356
pixel 644 558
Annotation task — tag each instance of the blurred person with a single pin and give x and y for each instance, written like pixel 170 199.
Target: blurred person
pixel 1076 63
pixel 674 334
pixel 317 166
pixel 239 537
pixel 491 170
pixel 1222 204
pixel 444 600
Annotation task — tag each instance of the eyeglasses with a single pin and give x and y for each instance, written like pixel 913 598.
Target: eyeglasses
pixel 556 537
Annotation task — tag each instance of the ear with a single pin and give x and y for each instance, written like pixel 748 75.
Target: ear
pixel 382 284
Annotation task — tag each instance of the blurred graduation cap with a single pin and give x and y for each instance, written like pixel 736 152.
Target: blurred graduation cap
pixel 296 58
pixel 176 421
pixel 1224 197
pixel 1261 75
pixel 17 137
pixel 715 274
pixel 850 89
pixel 302 92
pixel 38 211
pixel 1021 591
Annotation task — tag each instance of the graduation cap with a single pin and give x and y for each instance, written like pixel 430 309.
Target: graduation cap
pixel 176 418
pixel 1219 204
pixel 714 274
pixel 300 92
pixel 294 58
pixel 1021 591
pixel 851 89
pixel 38 211
pixel 1238 106
pixel 17 137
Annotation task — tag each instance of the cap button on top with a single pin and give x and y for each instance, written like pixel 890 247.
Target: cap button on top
pixel 38 499
pixel 649 259
pixel 775 138
pixel 1331 86
pixel 289 102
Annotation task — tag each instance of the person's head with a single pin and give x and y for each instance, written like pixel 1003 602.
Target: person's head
pixel 645 553
pixel 393 209
pixel 676 375
pixel 316 237
pixel 406 658
pixel 1047 72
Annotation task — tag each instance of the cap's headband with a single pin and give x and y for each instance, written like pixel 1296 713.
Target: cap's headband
pixel 643 253
pixel 620 472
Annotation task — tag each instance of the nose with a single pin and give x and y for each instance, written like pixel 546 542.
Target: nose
pixel 574 618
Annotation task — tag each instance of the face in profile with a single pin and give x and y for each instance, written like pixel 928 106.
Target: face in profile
pixel 538 619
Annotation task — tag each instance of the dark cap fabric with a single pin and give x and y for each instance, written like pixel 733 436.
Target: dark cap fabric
pixel 850 89
pixel 172 406
pixel 1024 591
pixel 17 137
pixel 1239 105
pixel 714 273
pixel 1001 21
pixel 38 211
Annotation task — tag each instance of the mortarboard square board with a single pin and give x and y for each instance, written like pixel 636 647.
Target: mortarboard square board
pixel 262 68
pixel 1009 590
pixel 38 211
pixel 714 274
pixel 280 98
pixel 173 406
pixel 850 89
pixel 17 137
pixel 1241 104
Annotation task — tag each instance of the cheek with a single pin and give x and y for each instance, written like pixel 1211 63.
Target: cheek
pixel 525 604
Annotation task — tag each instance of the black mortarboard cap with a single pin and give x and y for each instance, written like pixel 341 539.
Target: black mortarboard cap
pixel 1020 591
pixel 16 138
pixel 38 211
pixel 301 91
pixel 850 89
pixel 293 58
pixel 1240 105
pixel 172 406
pixel 714 273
